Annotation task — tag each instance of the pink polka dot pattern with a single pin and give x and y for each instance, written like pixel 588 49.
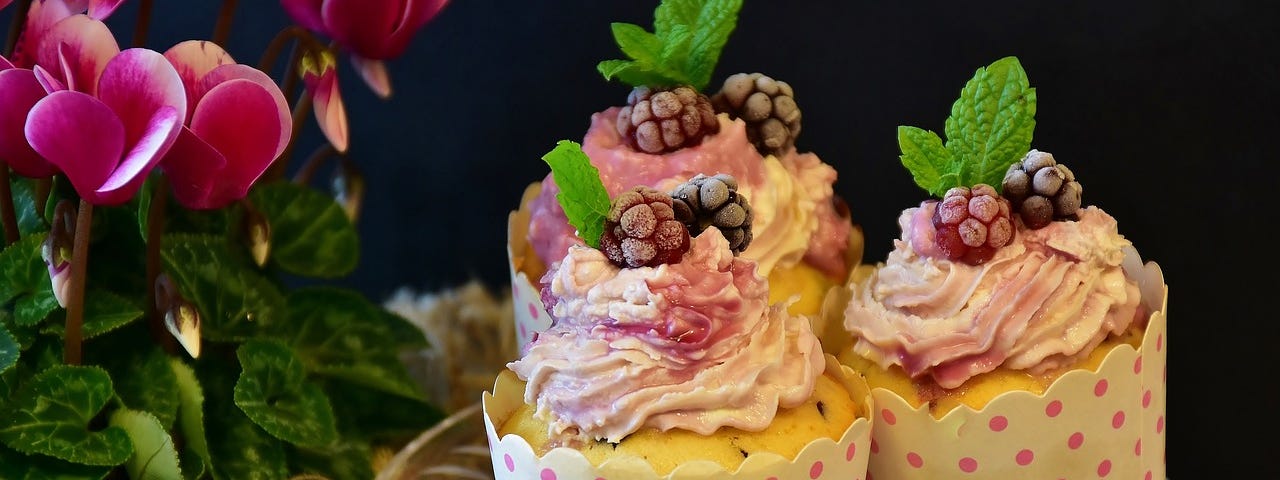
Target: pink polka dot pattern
pixel 1104 468
pixel 875 447
pixel 1025 457
pixel 1137 366
pixel 968 465
pixel 1075 440
pixel 1160 424
pixel 998 423
pixel 1117 420
pixel 1053 409
pixel 1100 388
pixel 815 471
pixel 533 310
pixel 1146 399
pixel 888 416
pixel 548 474
pixel 1137 448
pixel 1147 476
pixel 851 451
pixel 1160 343
pixel 914 460
pixel 511 464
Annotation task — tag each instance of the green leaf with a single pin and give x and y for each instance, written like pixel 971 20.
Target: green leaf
pixel 396 418
pixel 338 333
pixel 144 381
pixel 190 410
pixel 273 392
pixel 154 456
pixel 103 312
pixel 24 204
pixel 582 194
pixel 239 448
pixel 193 466
pixel 310 233
pixel 22 270
pixel 17 466
pixel 33 308
pixel 8 349
pixel 50 415
pixel 343 460
pixel 643 47
pixel 990 128
pixel 991 124
pixel 235 301
pixel 404 333
pixel 709 22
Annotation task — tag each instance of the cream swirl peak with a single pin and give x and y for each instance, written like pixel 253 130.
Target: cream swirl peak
pixel 692 345
pixel 1044 301
pixel 791 196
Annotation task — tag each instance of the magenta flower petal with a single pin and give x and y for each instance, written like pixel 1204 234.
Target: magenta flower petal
pixel 47 80
pixel 40 18
pixel 306 13
pixel 101 9
pixel 374 73
pixel 98 143
pixel 379 30
pixel 137 83
pixel 331 113
pixel 227 73
pixel 5 3
pixel 192 167
pixel 162 130
pixel 193 59
pixel 239 119
pixel 19 91
pixel 84 44
pixel 5 64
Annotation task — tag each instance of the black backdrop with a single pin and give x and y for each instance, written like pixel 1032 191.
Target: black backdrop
pixel 1164 108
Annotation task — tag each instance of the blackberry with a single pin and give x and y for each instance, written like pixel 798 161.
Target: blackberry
pixel 971 224
pixel 767 106
pixel 641 230
pixel 660 120
pixel 714 201
pixel 1042 190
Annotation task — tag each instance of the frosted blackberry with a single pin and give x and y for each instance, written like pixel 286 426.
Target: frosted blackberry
pixel 766 105
pixel 971 224
pixel 641 230
pixel 660 120
pixel 1042 190
pixel 714 201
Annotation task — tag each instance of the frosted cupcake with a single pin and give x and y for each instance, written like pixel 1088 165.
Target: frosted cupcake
pixel 668 132
pixel 666 360
pixel 1010 334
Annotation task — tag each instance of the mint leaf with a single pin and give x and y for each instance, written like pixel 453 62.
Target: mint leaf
pixel 50 415
pixel 931 165
pixel 17 466
pixel 235 301
pixel 338 333
pixel 684 48
pixel 190 411
pixel 990 128
pixel 991 123
pixel 154 456
pixel 310 233
pixel 273 392
pixel 582 194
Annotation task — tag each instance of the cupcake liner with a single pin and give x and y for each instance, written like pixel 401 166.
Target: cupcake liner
pixel 823 458
pixel 1105 424
pixel 530 314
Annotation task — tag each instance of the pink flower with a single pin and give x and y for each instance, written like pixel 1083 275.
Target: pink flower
pixel 237 123
pixel 320 74
pixel 5 3
pixel 44 14
pixel 19 91
pixel 108 143
pixel 372 31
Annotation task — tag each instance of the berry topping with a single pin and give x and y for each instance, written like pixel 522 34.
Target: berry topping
pixel 1042 190
pixel 714 201
pixel 641 230
pixel 659 120
pixel 971 224
pixel 767 106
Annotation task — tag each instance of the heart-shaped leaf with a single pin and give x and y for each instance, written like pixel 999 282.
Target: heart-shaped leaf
pixel 235 302
pixel 103 312
pixel 154 457
pixel 34 307
pixel 395 417
pixel 193 467
pixel 239 448
pixel 8 349
pixel 24 203
pixel 338 333
pixel 24 279
pixel 17 466
pixel 274 392
pixel 50 415
pixel 190 411
pixel 310 233
pixel 144 381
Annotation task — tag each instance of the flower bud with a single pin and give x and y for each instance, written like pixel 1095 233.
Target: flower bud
pixel 180 317
pixel 56 249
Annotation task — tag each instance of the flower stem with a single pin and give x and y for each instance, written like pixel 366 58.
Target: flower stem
pixel 15 27
pixel 317 158
pixel 7 213
pixel 44 186
pixel 292 32
pixel 75 291
pixel 300 112
pixel 155 235
pixel 222 29
pixel 144 23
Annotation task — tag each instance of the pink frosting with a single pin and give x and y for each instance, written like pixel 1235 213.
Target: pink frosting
pixel 791 197
pixel 1043 302
pixel 693 345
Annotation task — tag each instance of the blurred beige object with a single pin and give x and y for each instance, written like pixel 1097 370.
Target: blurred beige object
pixel 454 449
pixel 471 336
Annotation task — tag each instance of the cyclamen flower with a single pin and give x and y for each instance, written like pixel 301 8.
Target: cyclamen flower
pixel 107 143
pixel 45 14
pixel 236 123
pixel 372 31
pixel 19 91
pixel 320 75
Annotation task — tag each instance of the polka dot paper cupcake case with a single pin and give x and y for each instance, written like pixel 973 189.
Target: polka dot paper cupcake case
pixel 824 458
pixel 530 316
pixel 1108 424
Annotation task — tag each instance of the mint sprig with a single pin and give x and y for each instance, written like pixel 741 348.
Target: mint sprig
pixel 582 194
pixel 683 49
pixel 990 128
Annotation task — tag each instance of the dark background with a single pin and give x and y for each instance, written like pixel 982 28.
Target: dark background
pixel 1166 111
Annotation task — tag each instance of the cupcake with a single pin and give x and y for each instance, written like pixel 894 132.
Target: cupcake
pixel 665 358
pixel 1012 332
pixel 669 131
